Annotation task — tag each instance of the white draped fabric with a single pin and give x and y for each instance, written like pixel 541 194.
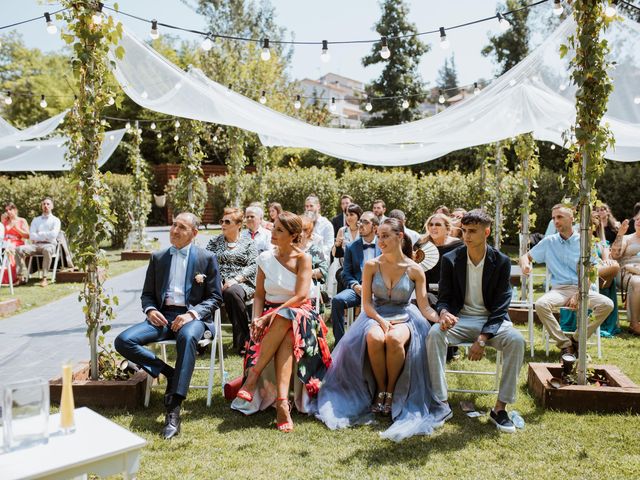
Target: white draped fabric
pixel 10 136
pixel 49 155
pixel 535 96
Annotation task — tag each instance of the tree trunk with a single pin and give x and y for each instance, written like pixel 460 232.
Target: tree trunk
pixel 524 230
pixel 584 266
pixel 497 235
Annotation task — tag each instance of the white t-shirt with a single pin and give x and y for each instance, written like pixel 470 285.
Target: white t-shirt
pixel 473 301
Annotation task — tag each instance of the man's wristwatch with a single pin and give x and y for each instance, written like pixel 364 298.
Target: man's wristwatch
pixel 481 342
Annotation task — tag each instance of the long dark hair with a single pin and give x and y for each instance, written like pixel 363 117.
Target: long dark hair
pixel 397 227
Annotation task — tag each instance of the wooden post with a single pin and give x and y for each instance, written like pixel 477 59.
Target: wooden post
pixel 584 266
pixel 497 235
pixel 524 230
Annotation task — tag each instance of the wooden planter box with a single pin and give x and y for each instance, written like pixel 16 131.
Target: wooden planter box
pixel 8 306
pixel 123 394
pixel 70 276
pixel 622 396
pixel 135 255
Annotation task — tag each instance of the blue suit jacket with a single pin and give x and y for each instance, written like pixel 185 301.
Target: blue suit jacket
pixel 354 262
pixel 496 286
pixel 203 297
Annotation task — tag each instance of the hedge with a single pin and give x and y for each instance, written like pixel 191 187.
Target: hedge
pixel 27 193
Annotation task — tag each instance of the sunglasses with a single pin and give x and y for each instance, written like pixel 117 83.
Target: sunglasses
pixel 436 225
pixel 226 221
pixel 363 222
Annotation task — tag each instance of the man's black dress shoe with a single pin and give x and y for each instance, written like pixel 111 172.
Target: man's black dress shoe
pixel 171 424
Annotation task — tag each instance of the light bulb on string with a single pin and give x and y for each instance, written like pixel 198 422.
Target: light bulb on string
pixel 159 135
pixel 332 105
pixel 152 126
pixel 368 107
pixel 636 100
pixel 139 131
pixel 43 101
pixel 176 138
pixel 297 104
pixel 263 98
pixel 111 101
pixel 384 48
pixel 441 98
pixel 265 54
pixel 444 41
pixel 557 8
pixel 206 44
pixel 610 10
pixel 154 34
pixel 7 99
pixel 97 18
pixel 177 124
pixel 325 56
pixel 128 126
pixel 51 27
pixel 503 22
pixel 405 104
pixel 553 147
pixel 476 89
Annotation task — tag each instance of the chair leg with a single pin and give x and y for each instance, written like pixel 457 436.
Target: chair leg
pixel 55 264
pixel 29 268
pixel 546 341
pixel 599 342
pixel 498 369
pixel 147 390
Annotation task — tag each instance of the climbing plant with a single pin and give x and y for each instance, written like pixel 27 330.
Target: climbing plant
pixel 92 220
pixel 140 208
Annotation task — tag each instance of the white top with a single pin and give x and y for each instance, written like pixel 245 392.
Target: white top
pixel 324 229
pixel 412 234
pixel 279 282
pixel 261 238
pixel 473 301
pixel 45 229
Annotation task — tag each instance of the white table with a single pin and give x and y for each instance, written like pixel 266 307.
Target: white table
pixel 97 446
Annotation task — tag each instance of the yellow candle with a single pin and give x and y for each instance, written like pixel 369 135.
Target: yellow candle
pixel 66 401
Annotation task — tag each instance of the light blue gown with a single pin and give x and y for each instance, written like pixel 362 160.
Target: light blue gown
pixel 349 385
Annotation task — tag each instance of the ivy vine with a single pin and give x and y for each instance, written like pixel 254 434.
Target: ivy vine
pixel 527 152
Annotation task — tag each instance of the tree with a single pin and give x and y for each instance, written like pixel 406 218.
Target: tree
pixel 400 74
pixel 512 46
pixel 448 77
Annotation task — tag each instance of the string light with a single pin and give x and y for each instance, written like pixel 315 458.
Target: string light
pixel 384 50
pixel 43 101
pixel 206 44
pixel 152 126
pixel 266 52
pixel 159 135
pixel 263 98
pixel 128 126
pixel 610 10
pixel 332 105
pixel 325 56
pixel 405 104
pixel 154 34
pixel 441 98
pixel 557 8
pixel 51 28
pixel 297 104
pixel 636 100
pixel 176 137
pixel 177 124
pixel 476 89
pixel 553 147
pixel 503 22
pixel 7 99
pixel 111 101
pixel 97 16
pixel 368 107
pixel 444 42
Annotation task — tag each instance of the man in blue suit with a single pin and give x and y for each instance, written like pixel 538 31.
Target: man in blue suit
pixel 180 294
pixel 355 255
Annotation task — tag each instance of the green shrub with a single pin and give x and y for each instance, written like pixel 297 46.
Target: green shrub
pixel 122 201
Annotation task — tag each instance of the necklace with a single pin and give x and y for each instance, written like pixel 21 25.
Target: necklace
pixel 231 245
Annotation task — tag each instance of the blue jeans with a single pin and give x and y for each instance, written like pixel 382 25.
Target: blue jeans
pixel 130 344
pixel 345 299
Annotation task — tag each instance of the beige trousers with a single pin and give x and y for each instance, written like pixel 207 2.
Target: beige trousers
pixel 558 296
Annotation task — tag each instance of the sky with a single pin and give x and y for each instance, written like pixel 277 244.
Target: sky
pixel 314 21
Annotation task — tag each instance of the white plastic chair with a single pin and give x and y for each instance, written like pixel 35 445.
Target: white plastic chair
pixel 496 373
pixel 527 303
pixel 216 347
pixel 5 265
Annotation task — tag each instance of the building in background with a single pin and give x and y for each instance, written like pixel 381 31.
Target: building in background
pixel 347 93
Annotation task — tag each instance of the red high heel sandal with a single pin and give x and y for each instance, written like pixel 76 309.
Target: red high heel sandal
pixel 243 393
pixel 285 427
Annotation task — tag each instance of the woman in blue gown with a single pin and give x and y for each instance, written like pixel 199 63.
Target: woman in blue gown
pixel 380 365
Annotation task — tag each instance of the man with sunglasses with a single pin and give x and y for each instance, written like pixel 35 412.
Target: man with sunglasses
pixel 355 255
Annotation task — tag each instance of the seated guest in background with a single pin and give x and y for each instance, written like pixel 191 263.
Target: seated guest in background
pixel 323 227
pixel 43 234
pixel 444 210
pixel 349 232
pixel 608 270
pixel 275 209
pixel 561 253
pixel 438 229
pixel 626 249
pixel 379 208
pixel 636 210
pixel 340 220
pixel 180 294
pixel 255 231
pixel 473 304
pixel 608 222
pixel 236 256
pixel 379 365
pixel 456 216
pixel 286 331
pixel 356 255
pixel 16 231
pixel 399 215
pixel 319 264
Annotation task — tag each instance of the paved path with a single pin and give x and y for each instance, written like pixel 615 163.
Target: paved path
pixel 36 343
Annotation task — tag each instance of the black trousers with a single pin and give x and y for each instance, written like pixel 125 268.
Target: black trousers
pixel 234 298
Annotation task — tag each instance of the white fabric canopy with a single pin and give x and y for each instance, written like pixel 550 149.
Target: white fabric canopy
pixel 10 136
pixel 49 155
pixel 534 96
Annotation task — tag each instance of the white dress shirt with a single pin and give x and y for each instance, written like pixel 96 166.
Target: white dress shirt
pixel 324 230
pixel 369 253
pixel 178 272
pixel 45 229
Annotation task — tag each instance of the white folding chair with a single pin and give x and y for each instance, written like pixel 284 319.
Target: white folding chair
pixel 216 348
pixel 597 342
pixel 527 303
pixel 38 256
pixel 496 373
pixel 5 265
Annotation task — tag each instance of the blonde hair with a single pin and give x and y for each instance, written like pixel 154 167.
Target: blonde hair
pixel 447 224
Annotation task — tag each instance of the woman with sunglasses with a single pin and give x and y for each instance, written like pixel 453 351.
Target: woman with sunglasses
pixel 438 229
pixel 237 259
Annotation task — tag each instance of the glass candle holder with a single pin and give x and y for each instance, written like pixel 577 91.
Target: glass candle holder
pixel 25 413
